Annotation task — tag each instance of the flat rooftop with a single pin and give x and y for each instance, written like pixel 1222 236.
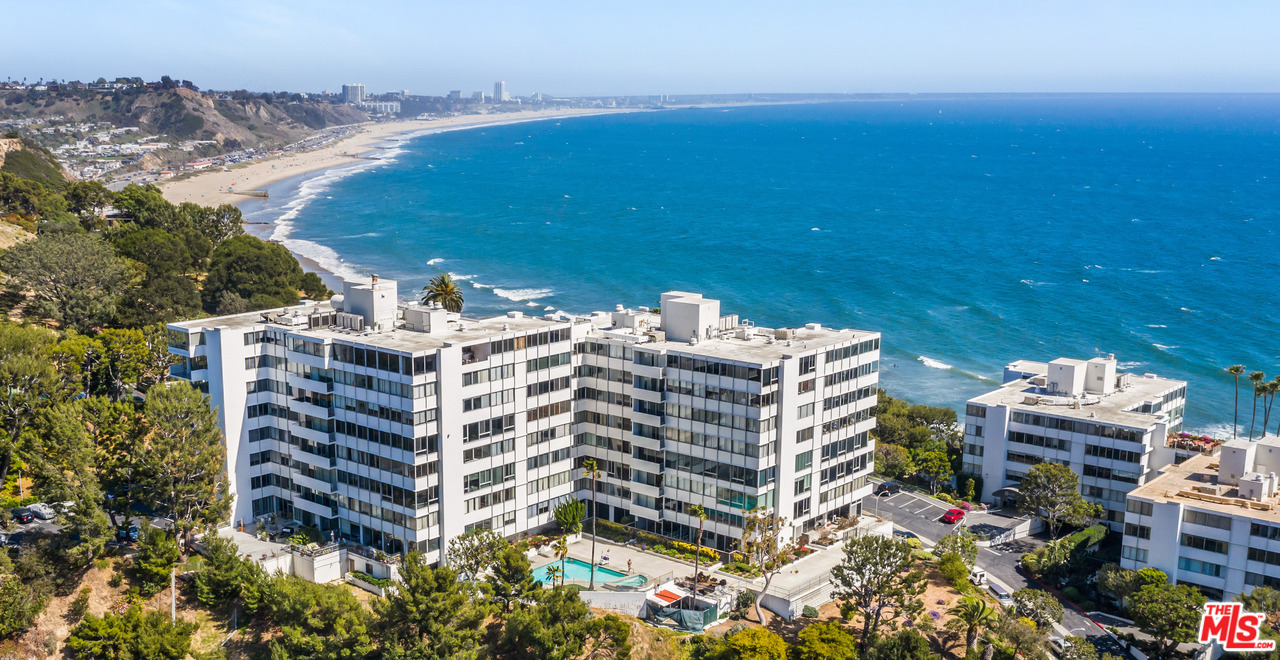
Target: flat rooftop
pixel 760 346
pixel 1112 409
pixel 464 331
pixel 1179 483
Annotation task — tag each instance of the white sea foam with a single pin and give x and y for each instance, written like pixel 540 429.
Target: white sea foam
pixel 516 295
pixel 1215 258
pixel 308 191
pixel 1130 365
pixel 1156 325
pixel 1164 347
pixel 434 262
pixel 531 304
pixel 932 363
pixel 460 277
pixel 548 308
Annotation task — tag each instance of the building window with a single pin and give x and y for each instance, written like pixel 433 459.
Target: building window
pixel 1136 554
pixel 805 411
pixel 801 509
pixel 804 460
pixel 1197 566
pixel 1206 519
pixel 808 364
pixel 1140 531
pixel 1139 507
pixel 1206 544
pixel 803 484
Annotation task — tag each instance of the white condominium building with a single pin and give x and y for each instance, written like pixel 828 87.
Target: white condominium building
pixel 397 426
pixel 1110 428
pixel 1211 521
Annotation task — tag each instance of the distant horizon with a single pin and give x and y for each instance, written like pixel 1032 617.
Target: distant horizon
pixel 337 90
pixel 663 47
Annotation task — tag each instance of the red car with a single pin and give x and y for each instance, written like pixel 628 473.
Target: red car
pixel 953 516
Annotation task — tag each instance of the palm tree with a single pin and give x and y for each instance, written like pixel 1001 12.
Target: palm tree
pixel 589 470
pixel 1269 391
pixel 1236 370
pixel 1256 377
pixel 554 573
pixel 701 513
pixel 561 548
pixel 442 289
pixel 972 614
pixel 1275 389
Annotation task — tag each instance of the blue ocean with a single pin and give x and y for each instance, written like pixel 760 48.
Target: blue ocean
pixel 970 231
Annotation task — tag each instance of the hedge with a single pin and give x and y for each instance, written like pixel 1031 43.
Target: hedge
pixel 1089 536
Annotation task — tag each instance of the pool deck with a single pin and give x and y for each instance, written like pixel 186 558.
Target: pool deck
pixel 642 563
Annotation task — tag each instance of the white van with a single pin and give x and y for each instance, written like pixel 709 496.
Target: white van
pixel 1002 595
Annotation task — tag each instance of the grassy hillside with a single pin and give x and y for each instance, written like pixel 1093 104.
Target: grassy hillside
pixel 35 163
pixel 244 120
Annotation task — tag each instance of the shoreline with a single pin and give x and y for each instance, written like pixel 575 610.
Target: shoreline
pixel 213 188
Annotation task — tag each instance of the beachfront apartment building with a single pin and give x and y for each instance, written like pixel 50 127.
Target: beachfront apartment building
pixel 1111 428
pixel 500 92
pixel 353 93
pixel 1212 521
pixel 399 426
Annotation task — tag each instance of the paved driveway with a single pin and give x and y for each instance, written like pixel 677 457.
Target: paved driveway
pixel 921 515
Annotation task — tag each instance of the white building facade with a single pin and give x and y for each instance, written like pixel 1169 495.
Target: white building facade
pixel 398 427
pixel 1110 428
pixel 1212 522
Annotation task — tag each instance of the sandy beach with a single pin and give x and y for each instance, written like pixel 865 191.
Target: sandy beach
pixel 211 188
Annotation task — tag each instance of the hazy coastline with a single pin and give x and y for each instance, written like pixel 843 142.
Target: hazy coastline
pixel 214 187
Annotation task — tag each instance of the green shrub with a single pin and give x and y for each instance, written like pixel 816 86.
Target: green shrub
pixel 375 581
pixel 116 579
pixel 79 605
pixel 953 568
pixel 945 498
pixel 915 544
pixel 1088 605
pixel 1071 593
pixel 922 555
pixel 809 612
pixel 847 610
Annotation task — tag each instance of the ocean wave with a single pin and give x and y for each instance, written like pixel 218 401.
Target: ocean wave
pixel 1129 365
pixel 549 308
pixel 460 277
pixel 1156 325
pixel 1164 347
pixel 433 262
pixel 532 304
pixel 324 256
pixel 516 295
pixel 932 363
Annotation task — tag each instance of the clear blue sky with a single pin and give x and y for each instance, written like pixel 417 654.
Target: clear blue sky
pixel 650 47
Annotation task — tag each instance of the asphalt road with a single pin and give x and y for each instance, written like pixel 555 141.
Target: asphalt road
pixel 921 515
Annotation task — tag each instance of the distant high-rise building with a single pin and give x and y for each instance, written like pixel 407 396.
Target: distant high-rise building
pixel 455 95
pixel 478 97
pixel 353 93
pixel 500 92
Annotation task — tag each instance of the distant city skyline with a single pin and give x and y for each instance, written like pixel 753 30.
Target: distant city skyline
pixel 578 49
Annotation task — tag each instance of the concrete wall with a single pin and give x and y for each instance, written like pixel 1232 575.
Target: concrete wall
pixel 631 603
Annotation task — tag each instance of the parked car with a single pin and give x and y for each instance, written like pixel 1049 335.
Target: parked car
pixel 23 516
pixel 904 534
pixel 953 516
pixel 129 535
pixel 888 488
pixel 43 511
pixel 1002 595
pixel 978 576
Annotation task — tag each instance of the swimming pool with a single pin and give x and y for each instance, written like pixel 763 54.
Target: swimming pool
pixel 576 569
